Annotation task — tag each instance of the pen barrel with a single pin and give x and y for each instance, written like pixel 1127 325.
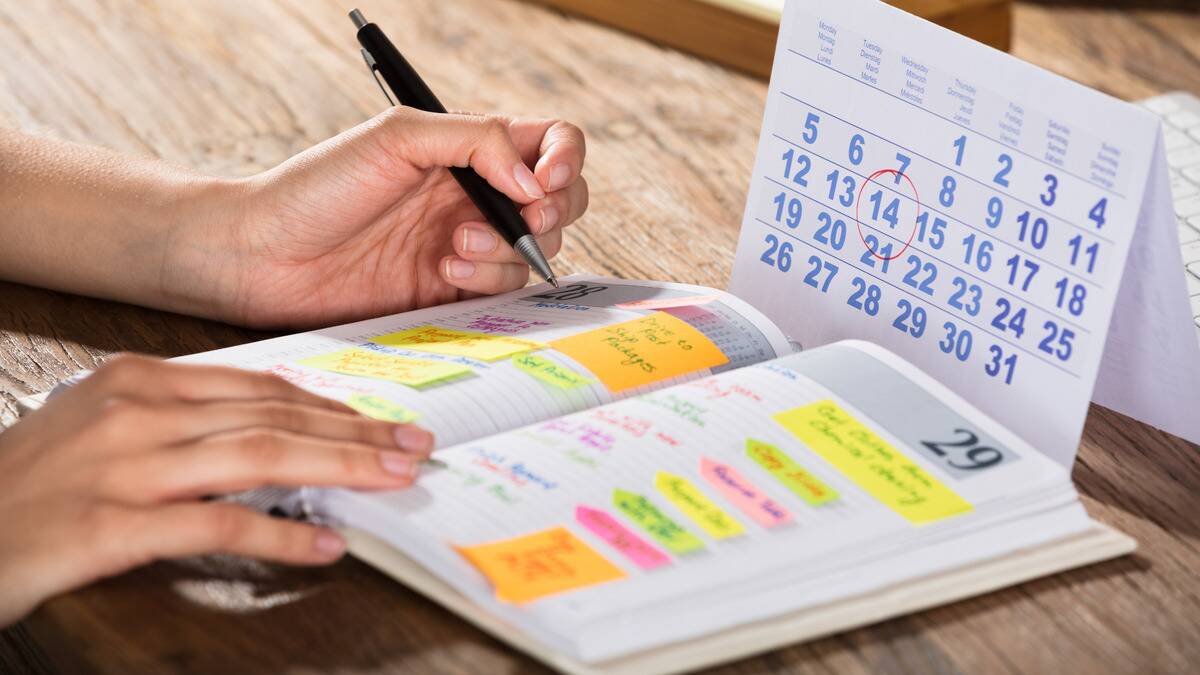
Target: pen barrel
pixel 410 90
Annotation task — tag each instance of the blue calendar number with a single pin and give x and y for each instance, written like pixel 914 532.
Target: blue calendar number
pixel 1049 195
pixel 1072 295
pixel 1057 341
pixel 1080 253
pixel 1022 269
pixel 904 160
pixel 793 207
pixel 946 196
pixel 957 342
pixel 847 197
pixel 921 275
pixel 819 268
pixel 978 255
pixel 1033 229
pixel 911 320
pixel 935 234
pixel 1001 364
pixel 865 296
pixel 966 297
pixel 873 249
pixel 1006 164
pixel 856 149
pixel 1097 213
pixel 960 146
pixel 777 254
pixel 830 232
pixel 810 128
pixel 796 166
pixel 890 213
pixel 1009 319
pixel 995 211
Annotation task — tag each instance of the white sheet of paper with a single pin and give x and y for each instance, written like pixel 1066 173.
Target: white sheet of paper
pixel 1151 366
pixel 1008 213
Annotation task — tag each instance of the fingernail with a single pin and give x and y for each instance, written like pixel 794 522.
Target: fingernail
pixel 414 439
pixel 459 269
pixel 560 175
pixel 330 543
pixel 527 181
pixel 398 463
pixel 478 241
pixel 549 218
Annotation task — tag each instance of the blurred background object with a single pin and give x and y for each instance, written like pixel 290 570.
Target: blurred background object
pixel 741 33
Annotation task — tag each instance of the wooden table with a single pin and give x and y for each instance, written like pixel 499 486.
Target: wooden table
pixel 234 87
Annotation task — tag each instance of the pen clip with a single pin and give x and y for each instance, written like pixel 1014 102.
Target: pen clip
pixel 374 68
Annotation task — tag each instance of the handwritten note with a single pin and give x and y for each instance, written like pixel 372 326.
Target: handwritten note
pixel 696 506
pixel 451 342
pixel 550 372
pixel 785 470
pixel 654 522
pixel 535 565
pixel 366 363
pixel 737 489
pixel 874 464
pixel 381 409
pixel 638 352
pixel 664 303
pixel 637 550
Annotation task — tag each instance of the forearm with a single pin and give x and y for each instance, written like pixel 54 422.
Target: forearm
pixel 89 221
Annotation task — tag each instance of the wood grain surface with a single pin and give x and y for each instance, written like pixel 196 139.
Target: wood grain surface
pixel 233 87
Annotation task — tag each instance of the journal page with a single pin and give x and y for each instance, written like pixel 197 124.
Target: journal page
pixel 965 209
pixel 479 367
pixel 728 499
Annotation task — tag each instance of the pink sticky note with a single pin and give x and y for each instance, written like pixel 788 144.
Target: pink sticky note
pixel 638 550
pixel 734 487
pixel 664 303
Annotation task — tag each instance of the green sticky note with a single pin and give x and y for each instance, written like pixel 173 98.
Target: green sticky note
pixel 550 372
pixel 793 476
pixel 655 523
pixel 380 408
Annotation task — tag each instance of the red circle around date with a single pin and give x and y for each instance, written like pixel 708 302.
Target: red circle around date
pixel 858 222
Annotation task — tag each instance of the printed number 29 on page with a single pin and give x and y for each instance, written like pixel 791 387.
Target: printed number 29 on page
pixel 910 190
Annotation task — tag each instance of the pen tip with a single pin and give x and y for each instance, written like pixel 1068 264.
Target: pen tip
pixel 553 281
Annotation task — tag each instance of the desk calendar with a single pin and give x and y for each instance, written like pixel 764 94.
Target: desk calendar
pixel 966 210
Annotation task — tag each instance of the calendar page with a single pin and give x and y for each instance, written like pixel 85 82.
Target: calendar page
pixel 954 204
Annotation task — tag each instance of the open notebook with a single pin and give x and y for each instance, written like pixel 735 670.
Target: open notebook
pixel 648 477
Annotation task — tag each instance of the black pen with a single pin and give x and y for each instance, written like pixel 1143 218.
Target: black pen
pixel 410 90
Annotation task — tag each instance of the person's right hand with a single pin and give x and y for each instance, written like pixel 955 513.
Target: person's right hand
pixel 112 474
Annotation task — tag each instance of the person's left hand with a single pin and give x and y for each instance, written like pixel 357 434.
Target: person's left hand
pixel 370 222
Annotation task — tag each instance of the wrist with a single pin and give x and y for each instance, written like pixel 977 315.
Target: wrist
pixel 203 248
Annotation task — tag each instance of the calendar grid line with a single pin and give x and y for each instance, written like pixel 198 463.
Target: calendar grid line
pixel 961 126
pixel 965 224
pixel 923 301
pixel 952 266
pixel 1033 208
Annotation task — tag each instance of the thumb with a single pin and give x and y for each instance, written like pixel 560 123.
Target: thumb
pixel 428 140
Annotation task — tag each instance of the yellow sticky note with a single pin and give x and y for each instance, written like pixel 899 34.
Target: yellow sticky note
pixel 793 476
pixel 536 565
pixel 366 363
pixel 550 372
pixel 482 346
pixel 871 462
pixel 633 353
pixel 696 506
pixel 382 409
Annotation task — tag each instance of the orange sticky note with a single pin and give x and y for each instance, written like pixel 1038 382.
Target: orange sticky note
pixel 630 354
pixel 535 565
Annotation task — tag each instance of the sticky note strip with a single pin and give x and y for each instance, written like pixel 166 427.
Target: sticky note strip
pixel 451 342
pixel 737 489
pixel 633 353
pixel 785 470
pixel 696 506
pixel 550 372
pixel 382 409
pixel 638 550
pixel 366 363
pixel 655 523
pixel 664 303
pixel 535 565
pixel 874 464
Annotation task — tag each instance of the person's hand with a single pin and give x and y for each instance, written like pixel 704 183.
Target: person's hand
pixel 111 474
pixel 370 222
